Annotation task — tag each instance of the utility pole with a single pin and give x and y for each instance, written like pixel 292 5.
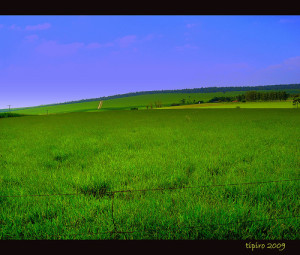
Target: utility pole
pixel 9 107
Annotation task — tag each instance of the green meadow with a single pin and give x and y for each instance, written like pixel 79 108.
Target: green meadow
pixel 58 173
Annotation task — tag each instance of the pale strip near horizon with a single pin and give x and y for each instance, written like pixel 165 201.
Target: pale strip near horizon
pixel 100 105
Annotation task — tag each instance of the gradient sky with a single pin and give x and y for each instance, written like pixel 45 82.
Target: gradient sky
pixel 52 59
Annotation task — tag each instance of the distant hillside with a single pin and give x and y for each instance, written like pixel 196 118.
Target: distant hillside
pixel 195 90
pixel 289 88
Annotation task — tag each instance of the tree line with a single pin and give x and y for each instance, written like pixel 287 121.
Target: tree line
pixel 251 96
pixel 195 90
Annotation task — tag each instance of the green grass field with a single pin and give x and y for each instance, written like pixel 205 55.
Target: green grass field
pixel 94 153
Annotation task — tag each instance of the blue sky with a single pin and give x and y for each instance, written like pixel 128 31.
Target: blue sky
pixel 52 59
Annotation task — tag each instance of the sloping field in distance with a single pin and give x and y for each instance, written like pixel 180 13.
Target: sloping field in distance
pixel 126 103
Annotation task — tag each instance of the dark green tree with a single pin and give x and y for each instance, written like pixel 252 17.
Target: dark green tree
pixel 251 96
pixel 296 101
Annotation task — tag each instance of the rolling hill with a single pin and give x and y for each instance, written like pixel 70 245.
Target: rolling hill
pixel 141 99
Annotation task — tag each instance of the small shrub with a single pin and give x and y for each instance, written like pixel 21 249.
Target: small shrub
pixel 9 114
pixel 135 108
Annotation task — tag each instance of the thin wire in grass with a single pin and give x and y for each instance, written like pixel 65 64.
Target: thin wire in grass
pixel 155 189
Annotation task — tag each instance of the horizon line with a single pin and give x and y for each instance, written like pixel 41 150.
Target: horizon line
pixel 145 91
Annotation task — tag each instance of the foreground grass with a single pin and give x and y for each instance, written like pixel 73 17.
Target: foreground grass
pixel 91 154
